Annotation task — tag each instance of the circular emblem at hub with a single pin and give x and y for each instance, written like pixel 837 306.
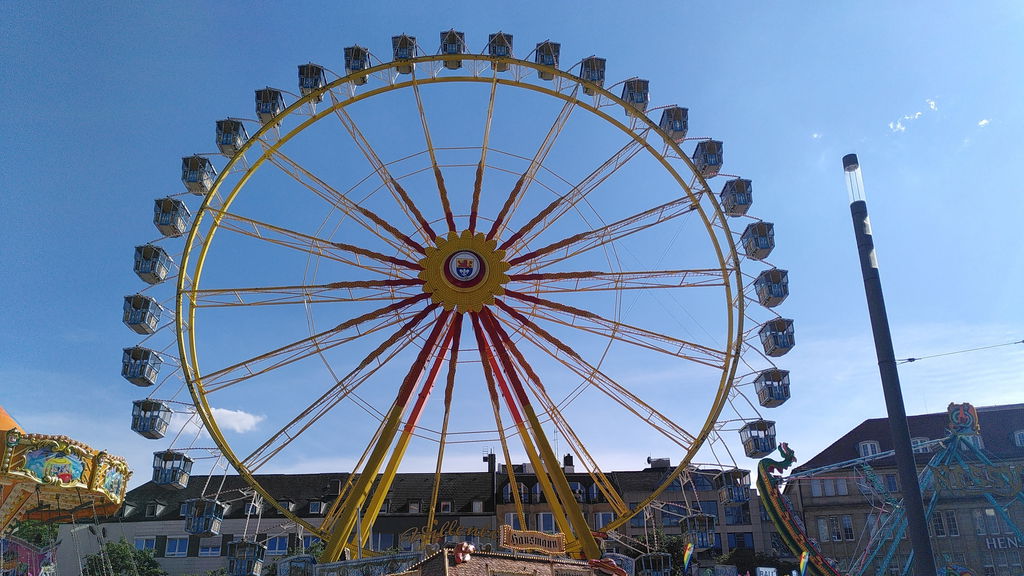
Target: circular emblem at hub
pixel 464 269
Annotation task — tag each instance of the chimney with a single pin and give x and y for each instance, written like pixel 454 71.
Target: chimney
pixel 567 465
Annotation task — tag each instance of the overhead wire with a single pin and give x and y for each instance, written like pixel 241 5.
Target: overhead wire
pixel 909 360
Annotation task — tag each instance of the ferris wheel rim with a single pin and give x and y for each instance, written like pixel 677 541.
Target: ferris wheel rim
pixel 727 256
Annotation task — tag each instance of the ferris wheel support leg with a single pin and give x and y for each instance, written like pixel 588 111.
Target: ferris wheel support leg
pixel 342 529
pixel 552 465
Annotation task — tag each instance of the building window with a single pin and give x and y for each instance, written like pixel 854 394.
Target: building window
pixel 478 506
pixel 868 448
pixel 829 487
pixel 308 541
pixel 938 525
pixel 209 547
pixel 737 515
pixel 637 521
pixel 823 535
pixel 740 540
pixel 833 526
pixel 286 504
pixel 976 441
pixel 512 519
pixel 446 507
pixel 277 545
pixel 672 513
pixel 414 507
pixel 183 509
pixel 916 443
pixel 176 548
pixel 252 508
pixel 538 494
pixel 546 522
pixel 381 540
pixel 602 518
pixel 316 507
pixel 145 543
pixel 847 522
pixel 151 510
pixel 952 528
pixel 507 496
pixel 1018 438
pixel 891 482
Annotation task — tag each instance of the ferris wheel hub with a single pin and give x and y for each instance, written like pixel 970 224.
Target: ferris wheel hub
pixel 464 271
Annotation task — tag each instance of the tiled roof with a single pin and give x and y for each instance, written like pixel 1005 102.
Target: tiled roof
pixel 998 424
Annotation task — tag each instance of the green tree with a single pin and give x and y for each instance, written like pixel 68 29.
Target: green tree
pixel 122 559
pixel 37 533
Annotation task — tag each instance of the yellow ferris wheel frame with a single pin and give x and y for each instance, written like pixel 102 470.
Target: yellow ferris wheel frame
pixel 338 523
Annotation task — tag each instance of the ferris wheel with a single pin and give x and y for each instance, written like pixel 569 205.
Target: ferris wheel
pixel 431 255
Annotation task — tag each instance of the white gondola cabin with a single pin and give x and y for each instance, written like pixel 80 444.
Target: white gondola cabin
pixel 245 558
pixel 707 157
pixel 311 79
pixel 140 366
pixel 592 70
pixel 452 43
pixel 171 216
pixel 403 48
pixel 171 469
pixel 269 103
pixel 699 529
pixel 772 387
pixel 231 135
pixel 141 313
pixel 152 263
pixel 547 55
pixel 777 336
pixel 197 174
pixel 636 93
pixel 675 121
pixel 772 287
pixel 150 418
pixel 301 565
pixel 203 516
pixel 356 58
pixel 733 486
pixel 499 45
pixel 736 196
pixel 758 240
pixel 758 438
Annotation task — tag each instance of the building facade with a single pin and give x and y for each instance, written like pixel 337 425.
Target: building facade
pixel 848 495
pixel 471 507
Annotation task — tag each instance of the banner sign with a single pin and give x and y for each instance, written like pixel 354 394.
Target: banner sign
pixel 526 540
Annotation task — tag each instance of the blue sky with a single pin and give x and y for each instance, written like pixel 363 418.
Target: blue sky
pixel 102 102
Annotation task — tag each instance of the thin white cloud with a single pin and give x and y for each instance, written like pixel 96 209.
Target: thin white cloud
pixel 903 122
pixel 897 126
pixel 984 122
pixel 816 136
pixel 236 420
pixel 932 104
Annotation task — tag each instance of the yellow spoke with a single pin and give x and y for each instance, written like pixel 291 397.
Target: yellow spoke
pixel 589 280
pixel 344 388
pixel 587 321
pixel 560 206
pixel 438 177
pixel 584 241
pixel 478 181
pixel 304 348
pixel 363 216
pixel 406 204
pixel 592 376
pixel 523 184
pixel 331 292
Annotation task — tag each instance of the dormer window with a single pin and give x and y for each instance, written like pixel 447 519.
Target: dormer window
pixel 253 508
pixel 917 444
pixel 1018 438
pixel 316 507
pixel 478 506
pixel 868 448
pixel 446 507
pixel 286 504
pixel 154 509
pixel 414 507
